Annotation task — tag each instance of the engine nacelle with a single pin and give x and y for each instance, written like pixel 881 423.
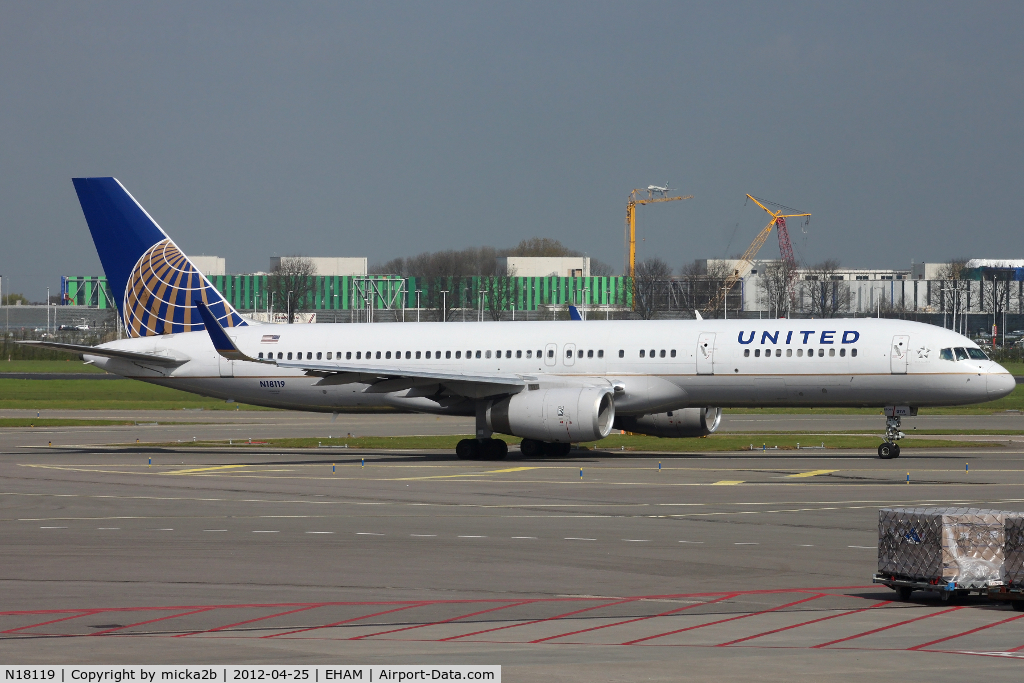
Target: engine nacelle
pixel 677 424
pixel 558 415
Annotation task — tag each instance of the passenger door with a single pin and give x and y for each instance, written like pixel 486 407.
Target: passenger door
pixel 569 354
pixel 706 353
pixel 899 354
pixel 226 367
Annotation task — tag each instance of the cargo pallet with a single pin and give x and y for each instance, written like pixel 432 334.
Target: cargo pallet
pixel 904 586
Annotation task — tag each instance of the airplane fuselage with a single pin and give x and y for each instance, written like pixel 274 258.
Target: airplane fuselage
pixel 654 366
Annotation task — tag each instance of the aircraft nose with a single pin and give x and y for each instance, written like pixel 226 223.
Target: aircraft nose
pixel 1000 384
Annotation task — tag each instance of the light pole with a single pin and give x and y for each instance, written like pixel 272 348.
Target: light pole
pixel 335 308
pixel 444 305
pixel 465 301
pixel 290 306
pixel 47 310
pixel 481 317
pixel 418 304
pixel 273 300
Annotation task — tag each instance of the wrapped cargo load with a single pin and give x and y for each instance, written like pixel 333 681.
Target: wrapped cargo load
pixel 958 547
pixel 1014 549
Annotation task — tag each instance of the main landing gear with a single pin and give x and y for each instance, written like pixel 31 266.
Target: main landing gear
pixel 531 448
pixel 889 448
pixel 481 449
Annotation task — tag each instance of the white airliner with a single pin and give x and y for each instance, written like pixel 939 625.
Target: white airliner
pixel 551 383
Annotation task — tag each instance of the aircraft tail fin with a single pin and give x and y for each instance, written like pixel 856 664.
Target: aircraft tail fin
pixel 153 283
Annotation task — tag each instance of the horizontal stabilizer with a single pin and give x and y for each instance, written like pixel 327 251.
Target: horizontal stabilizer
pixel 150 358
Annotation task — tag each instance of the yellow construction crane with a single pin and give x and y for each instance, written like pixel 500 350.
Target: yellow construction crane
pixel 634 199
pixel 746 261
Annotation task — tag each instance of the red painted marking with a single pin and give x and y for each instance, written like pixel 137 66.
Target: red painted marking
pixel 539 621
pixel 249 621
pixel 722 621
pixel 885 628
pixel 967 633
pixel 630 621
pixel 443 621
pixel 150 621
pixel 52 621
pixel 152 608
pixel 805 623
pixel 347 621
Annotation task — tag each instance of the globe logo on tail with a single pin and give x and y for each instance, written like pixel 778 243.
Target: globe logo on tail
pixel 160 291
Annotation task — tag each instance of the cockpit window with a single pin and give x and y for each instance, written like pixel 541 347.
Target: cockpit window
pixel 946 354
pixel 977 354
pixel 961 353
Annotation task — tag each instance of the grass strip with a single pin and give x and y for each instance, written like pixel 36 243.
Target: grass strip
pixel 30 422
pixel 69 366
pixel 715 442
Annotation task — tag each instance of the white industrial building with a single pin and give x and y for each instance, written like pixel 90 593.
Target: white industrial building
pixel 546 266
pixel 209 265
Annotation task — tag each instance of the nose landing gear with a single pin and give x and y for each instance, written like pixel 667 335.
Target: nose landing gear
pixel 889 448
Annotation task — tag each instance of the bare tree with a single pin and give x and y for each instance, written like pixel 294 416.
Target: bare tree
pixel 829 293
pixel 650 281
pixel 501 291
pixel 774 284
pixel 954 289
pixel 293 281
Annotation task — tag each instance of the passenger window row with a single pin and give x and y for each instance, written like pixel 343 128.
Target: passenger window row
pixel 643 353
pixel 799 353
pixel 428 355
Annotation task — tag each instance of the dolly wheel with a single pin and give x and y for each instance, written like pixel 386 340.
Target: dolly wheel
pixel 904 592
pixel 1018 605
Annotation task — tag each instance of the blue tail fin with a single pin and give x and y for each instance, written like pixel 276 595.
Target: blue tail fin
pixel 153 282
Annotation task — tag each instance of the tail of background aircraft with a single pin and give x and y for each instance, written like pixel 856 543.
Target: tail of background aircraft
pixel 152 281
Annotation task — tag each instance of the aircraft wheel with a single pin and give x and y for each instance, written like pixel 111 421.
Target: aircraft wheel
pixel 885 451
pixel 558 450
pixel 466 449
pixel 530 448
pixel 495 449
pixel 895 450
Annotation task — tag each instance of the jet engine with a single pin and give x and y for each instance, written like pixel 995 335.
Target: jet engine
pixel 555 415
pixel 684 423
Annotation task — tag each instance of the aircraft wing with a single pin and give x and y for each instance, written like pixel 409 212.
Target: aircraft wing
pixel 382 378
pixel 151 358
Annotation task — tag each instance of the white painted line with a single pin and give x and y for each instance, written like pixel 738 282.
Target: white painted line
pixel 108 528
pixel 159 529
pixel 319 532
pixel 864 547
pixel 214 529
pixel 424 535
pixel 526 537
pixel 265 532
pixel 574 538
pixel 53 527
pixel 746 544
pixel 637 540
pixel 472 537
pixel 805 545
pixel 694 542
pixel 367 533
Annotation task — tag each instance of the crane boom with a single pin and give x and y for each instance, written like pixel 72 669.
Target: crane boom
pixel 634 199
pixel 746 261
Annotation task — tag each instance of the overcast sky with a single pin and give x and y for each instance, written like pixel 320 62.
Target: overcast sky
pixel 385 129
